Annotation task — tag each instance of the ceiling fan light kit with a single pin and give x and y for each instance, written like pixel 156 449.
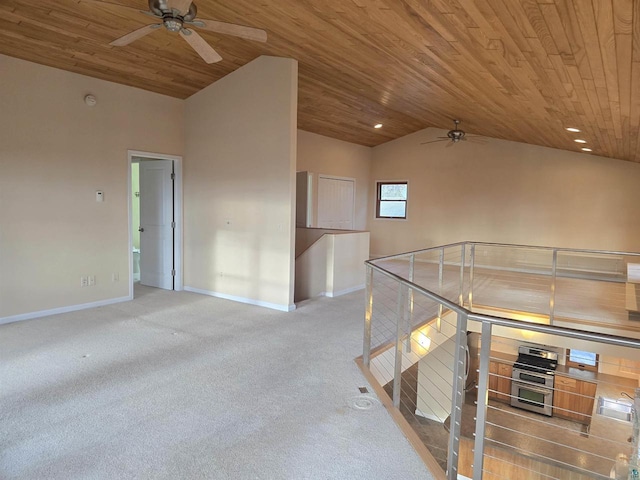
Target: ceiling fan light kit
pixel 177 15
pixel 454 136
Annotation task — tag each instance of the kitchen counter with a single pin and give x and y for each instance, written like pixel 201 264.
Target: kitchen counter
pixel 503 357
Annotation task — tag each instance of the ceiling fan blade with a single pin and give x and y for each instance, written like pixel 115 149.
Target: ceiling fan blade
pixel 201 47
pixel 440 139
pixel 449 144
pixel 241 31
pixel 181 5
pixel 135 35
pixel 479 140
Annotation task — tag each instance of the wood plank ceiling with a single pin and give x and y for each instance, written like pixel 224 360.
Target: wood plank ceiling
pixel 521 70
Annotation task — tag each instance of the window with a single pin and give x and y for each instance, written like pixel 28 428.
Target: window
pixel 391 200
pixel 581 359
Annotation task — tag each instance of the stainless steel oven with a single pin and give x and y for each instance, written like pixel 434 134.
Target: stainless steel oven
pixel 532 380
pixel 532 391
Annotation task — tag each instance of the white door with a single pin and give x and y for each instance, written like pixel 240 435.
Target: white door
pixel 156 218
pixel 335 203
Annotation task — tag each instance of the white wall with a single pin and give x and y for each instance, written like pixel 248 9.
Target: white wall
pixel 239 184
pixel 333 265
pixel 55 152
pixel 318 154
pixel 505 192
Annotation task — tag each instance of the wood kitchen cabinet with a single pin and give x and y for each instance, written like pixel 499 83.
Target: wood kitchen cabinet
pixel 573 399
pixel 500 381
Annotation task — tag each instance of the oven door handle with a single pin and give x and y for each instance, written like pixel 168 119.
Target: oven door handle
pixel 543 391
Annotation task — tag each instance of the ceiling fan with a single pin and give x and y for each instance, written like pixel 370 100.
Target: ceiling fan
pixel 177 16
pixel 456 135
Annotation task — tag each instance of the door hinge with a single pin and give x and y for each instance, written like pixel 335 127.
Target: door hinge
pixel 173 176
pixel 173 273
pixel 173 224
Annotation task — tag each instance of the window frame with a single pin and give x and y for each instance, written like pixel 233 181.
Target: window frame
pixel 571 364
pixel 378 186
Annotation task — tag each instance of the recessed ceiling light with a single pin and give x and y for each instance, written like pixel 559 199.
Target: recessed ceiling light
pixel 378 125
pixel 579 140
pixel 571 129
pixel 585 149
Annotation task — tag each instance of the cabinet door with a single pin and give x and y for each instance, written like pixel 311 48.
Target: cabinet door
pixel 587 392
pixel 504 382
pixel 564 389
pixel 573 399
pixel 493 379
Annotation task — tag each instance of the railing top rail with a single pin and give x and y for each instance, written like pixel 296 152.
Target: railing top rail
pixel 536 327
pixel 557 249
pixel 417 288
pixel 615 340
pixel 491 244
pixel 416 252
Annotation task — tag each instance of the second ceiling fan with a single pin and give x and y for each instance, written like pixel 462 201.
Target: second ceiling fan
pixel 179 16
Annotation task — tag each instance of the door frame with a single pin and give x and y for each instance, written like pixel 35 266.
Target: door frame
pixel 134 156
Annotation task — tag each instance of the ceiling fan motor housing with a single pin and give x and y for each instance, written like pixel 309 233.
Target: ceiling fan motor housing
pixel 455 135
pixel 171 17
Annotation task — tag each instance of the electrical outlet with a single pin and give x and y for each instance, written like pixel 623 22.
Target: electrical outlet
pixel 92 280
pixel 84 281
pixel 115 277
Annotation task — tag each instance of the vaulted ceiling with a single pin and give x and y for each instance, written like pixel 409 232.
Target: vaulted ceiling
pixel 520 70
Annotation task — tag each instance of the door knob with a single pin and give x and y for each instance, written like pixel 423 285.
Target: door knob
pixel 140 229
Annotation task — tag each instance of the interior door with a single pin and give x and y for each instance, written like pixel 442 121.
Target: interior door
pixel 335 203
pixel 156 223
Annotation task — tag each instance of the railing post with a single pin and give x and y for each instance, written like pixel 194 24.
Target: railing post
pixel 457 397
pixel 460 294
pixel 409 309
pixel 483 392
pixel 634 461
pixel 440 282
pixel 412 261
pixel 366 349
pixel 471 266
pixel 397 374
pixel 552 297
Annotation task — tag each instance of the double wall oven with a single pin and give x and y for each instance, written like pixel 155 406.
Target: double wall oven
pixel 532 379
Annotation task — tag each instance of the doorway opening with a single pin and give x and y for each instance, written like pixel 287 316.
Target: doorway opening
pixel 155 220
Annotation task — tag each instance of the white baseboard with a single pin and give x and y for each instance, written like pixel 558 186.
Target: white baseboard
pixel 250 301
pixel 345 291
pixel 56 311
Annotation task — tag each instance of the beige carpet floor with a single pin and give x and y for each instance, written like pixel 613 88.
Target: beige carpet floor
pixel 183 386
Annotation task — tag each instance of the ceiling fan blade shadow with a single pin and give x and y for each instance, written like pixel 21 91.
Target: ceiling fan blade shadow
pixel 201 47
pixel 135 35
pixel 181 5
pixel 450 144
pixel 241 31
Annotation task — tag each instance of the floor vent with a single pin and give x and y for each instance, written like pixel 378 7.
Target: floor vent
pixel 364 402
pixel 363 389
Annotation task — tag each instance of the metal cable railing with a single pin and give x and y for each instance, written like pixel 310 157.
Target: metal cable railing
pixel 424 310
